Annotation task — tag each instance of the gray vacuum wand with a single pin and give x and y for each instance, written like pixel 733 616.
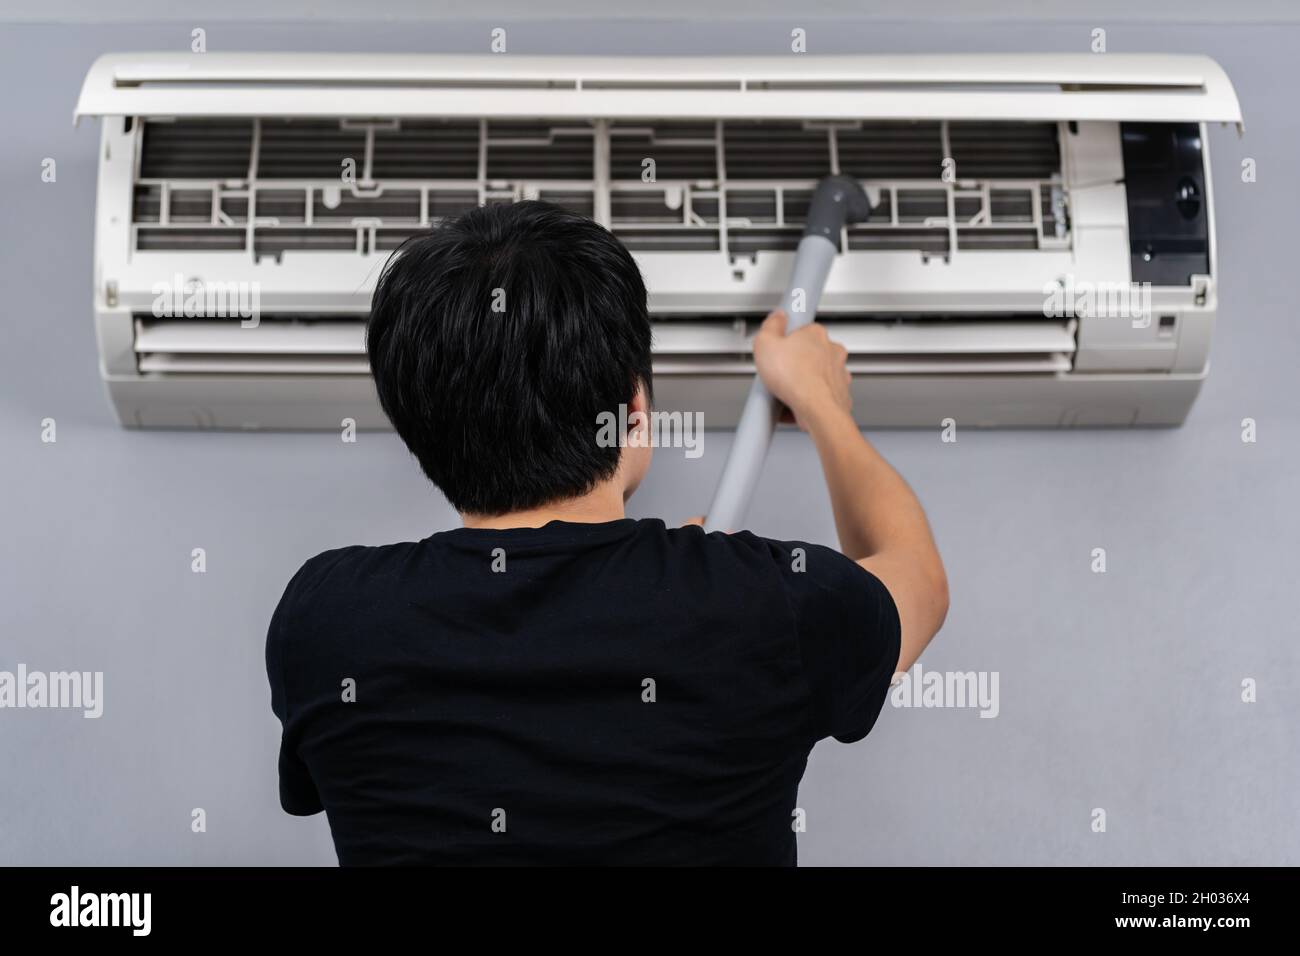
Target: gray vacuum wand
pixel 836 201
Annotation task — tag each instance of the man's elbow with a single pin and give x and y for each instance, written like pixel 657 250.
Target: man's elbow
pixel 938 594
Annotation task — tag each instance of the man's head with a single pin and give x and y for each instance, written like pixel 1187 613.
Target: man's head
pixel 496 342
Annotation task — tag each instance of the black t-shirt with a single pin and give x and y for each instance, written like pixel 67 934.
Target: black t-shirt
pixel 620 693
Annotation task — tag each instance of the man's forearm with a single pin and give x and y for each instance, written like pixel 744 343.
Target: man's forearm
pixel 874 508
pixel 881 525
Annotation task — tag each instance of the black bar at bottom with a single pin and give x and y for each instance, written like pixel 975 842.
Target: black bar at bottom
pixel 213 906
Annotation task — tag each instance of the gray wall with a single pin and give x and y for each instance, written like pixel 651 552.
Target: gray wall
pixel 1119 691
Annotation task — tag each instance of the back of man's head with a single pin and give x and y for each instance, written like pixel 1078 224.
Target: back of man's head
pixel 497 340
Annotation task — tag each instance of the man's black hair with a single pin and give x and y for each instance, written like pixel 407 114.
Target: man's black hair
pixel 496 341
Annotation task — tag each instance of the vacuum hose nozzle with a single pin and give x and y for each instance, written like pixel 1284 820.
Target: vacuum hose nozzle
pixel 836 200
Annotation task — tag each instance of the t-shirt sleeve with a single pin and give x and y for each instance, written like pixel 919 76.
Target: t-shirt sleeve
pixel 298 794
pixel 848 633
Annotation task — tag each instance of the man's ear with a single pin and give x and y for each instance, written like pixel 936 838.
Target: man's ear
pixel 638 448
pixel 640 403
pixel 640 400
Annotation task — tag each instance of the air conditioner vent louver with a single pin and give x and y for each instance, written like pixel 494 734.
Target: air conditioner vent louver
pixel 665 187
pixel 684 345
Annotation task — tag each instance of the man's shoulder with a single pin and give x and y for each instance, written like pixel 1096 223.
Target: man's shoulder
pixel 745 559
pixel 340 572
pixel 746 547
pixel 349 560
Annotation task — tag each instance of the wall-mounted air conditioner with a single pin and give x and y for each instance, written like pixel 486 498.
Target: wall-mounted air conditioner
pixel 1040 252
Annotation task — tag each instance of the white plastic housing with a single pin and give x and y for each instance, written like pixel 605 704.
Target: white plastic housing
pixel 941 298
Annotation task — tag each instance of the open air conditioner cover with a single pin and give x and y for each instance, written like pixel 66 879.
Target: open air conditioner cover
pixel 1083 86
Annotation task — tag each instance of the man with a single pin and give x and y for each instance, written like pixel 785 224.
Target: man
pixel 554 682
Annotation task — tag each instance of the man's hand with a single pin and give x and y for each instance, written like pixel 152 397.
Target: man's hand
pixel 805 369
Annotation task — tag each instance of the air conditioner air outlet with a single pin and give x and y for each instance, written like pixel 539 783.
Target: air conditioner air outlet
pixel 336 345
